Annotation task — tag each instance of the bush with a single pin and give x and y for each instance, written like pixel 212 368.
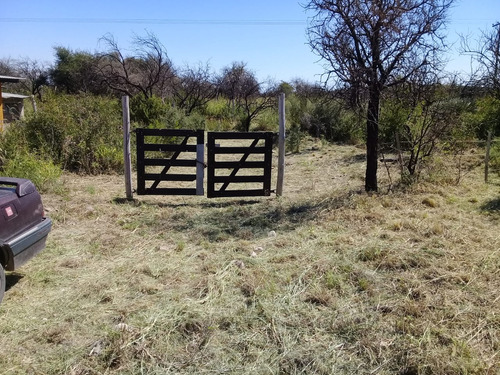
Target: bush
pixel 495 157
pixel 81 133
pixel 12 142
pixel 294 138
pixel 330 120
pixel 268 121
pixel 154 113
pixel 393 116
pixel 218 109
pixel 43 173
pixel 148 112
pixel 484 117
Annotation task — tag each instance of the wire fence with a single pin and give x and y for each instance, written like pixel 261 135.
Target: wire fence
pixel 400 147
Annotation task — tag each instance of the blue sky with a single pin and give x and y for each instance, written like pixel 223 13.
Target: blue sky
pixel 268 35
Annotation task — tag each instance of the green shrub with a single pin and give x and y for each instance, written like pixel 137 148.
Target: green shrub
pixel 81 133
pixel 217 109
pixel 154 113
pixel 329 120
pixel 294 138
pixel 495 157
pixel 43 173
pixel 148 112
pixel 218 125
pixel 267 120
pixel 393 116
pixel 484 117
pixel 12 141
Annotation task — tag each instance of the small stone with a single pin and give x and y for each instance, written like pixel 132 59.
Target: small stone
pixel 259 249
pixel 96 348
pixel 271 234
pixel 123 327
pixel 89 210
pixel 239 264
pixel 253 254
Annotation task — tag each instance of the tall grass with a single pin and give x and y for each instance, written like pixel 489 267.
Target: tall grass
pixel 324 280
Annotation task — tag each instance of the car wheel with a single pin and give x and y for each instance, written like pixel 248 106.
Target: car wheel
pixel 2 283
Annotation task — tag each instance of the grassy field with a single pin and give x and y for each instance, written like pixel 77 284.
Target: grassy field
pixel 325 280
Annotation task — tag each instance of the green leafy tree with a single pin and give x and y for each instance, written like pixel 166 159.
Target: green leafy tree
pixel 76 72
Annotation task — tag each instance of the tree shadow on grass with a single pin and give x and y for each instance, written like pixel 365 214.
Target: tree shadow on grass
pixel 354 159
pixel 492 206
pixel 212 204
pixel 242 220
pixel 224 219
pixel 132 202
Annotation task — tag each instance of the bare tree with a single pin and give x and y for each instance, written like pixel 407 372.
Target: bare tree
pixel 36 74
pixel 432 117
pixel 374 44
pixel 236 81
pixel 148 71
pixel 245 94
pixel 194 88
pixel 7 67
pixel 252 103
pixel 486 52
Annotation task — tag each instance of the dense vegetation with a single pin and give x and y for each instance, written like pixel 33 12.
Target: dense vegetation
pixel 80 131
pixel 75 121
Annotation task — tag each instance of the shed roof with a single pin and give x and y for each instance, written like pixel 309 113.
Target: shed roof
pixel 7 95
pixel 11 79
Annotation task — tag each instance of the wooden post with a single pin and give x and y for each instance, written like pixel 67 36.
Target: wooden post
pixel 126 147
pixel 400 155
pixel 33 103
pixel 1 109
pixel 487 158
pixel 281 146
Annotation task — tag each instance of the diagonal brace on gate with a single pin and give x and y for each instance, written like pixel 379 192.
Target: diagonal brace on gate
pixel 174 157
pixel 242 160
pixel 174 160
pixel 242 164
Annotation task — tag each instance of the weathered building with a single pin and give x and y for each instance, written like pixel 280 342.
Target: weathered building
pixel 11 105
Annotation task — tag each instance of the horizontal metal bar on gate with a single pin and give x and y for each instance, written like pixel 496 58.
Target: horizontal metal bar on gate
pixel 166 148
pixel 236 179
pixel 170 132
pixel 239 164
pixel 240 193
pixel 234 135
pixel 168 191
pixel 170 162
pixel 169 177
pixel 239 150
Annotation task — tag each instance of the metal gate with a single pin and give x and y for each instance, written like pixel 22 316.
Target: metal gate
pixel 164 148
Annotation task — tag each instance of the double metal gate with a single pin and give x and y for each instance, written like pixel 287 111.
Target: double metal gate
pixel 176 157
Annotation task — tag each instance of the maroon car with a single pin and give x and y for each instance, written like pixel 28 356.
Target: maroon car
pixel 23 225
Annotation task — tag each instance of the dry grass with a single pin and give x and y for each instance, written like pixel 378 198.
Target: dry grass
pixel 326 280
